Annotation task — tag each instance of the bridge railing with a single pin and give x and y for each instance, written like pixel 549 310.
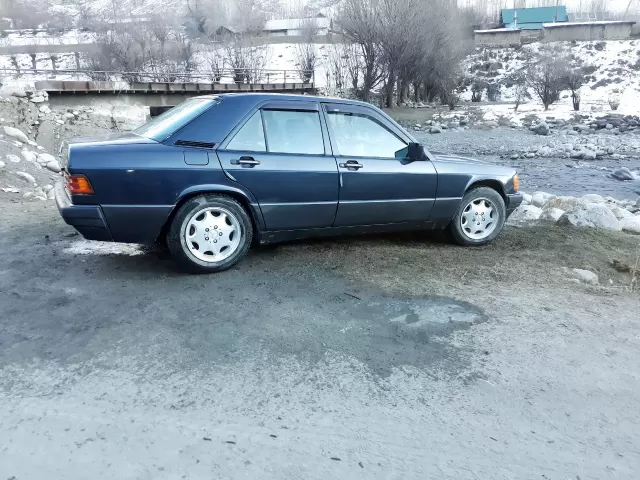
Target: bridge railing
pixel 222 76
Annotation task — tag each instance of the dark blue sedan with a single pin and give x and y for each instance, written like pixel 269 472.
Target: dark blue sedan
pixel 217 173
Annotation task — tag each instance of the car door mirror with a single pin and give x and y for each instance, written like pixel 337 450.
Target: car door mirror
pixel 412 152
pixel 415 151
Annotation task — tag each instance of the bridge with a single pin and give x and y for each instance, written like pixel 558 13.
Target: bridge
pixel 157 89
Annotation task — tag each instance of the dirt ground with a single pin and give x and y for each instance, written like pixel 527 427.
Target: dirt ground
pixel 379 357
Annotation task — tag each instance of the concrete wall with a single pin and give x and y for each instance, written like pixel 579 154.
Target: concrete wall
pixel 497 38
pixel 585 32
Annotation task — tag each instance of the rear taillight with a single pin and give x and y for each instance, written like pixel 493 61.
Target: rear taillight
pixel 78 185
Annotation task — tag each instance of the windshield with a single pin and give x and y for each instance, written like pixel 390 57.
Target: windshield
pixel 160 127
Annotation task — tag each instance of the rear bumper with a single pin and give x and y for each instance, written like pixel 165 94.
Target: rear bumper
pixel 513 201
pixel 88 220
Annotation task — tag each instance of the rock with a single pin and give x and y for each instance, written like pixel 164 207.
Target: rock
pixel 46 188
pixel 38 99
pixel 16 133
pixel 589 155
pixel 514 156
pixel 526 199
pixel 13 158
pixel 44 109
pixel 51 194
pixel 19 92
pixel 630 224
pixel 593 198
pixel 45 158
pixel 542 128
pixel 592 215
pixel 10 190
pixel 70 116
pixel 551 215
pixel 2 164
pixel 600 153
pixel 620 212
pixel 585 276
pixel 54 166
pixel 572 132
pixel 623 174
pixel 530 155
pixel 26 176
pixel 538 199
pixel 577 154
pixel 454 125
pixel 609 126
pixel 29 156
pixel 435 130
pixel 524 215
pixel 611 150
pixel 581 128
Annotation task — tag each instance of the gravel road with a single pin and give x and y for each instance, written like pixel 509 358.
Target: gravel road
pixel 383 357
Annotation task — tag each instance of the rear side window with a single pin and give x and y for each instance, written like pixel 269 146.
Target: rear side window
pixel 357 135
pixel 172 120
pixel 290 131
pixel 250 138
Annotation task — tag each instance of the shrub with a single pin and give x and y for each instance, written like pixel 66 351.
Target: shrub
pixel 600 46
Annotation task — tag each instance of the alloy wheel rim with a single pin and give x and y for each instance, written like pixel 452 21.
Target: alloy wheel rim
pixel 479 219
pixel 212 234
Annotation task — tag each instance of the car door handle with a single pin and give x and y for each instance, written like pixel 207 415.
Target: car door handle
pixel 248 161
pixel 352 164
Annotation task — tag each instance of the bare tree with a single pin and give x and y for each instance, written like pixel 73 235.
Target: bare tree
pixel 574 81
pixel 305 55
pixel 546 78
pixel 246 61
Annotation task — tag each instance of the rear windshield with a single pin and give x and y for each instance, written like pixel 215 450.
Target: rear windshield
pixel 162 126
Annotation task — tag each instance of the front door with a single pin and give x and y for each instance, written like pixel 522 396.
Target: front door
pixel 376 187
pixel 279 155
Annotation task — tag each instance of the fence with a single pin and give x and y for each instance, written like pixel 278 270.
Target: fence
pixel 222 76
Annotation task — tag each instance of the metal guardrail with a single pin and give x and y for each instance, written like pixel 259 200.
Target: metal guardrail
pixel 222 76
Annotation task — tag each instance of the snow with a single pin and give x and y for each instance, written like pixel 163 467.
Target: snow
pixel 617 72
pixel 582 24
pixel 498 30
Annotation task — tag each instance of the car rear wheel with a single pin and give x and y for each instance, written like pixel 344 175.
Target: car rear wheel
pixel 480 217
pixel 210 233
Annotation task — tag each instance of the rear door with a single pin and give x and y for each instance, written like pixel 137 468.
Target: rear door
pixel 376 187
pixel 281 153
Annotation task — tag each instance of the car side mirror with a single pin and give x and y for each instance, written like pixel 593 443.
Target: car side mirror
pixel 415 151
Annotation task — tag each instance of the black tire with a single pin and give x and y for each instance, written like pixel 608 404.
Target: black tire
pixel 460 235
pixel 176 235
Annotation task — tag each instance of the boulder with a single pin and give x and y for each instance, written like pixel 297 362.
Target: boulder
pixel 15 133
pixel 577 154
pixel 620 212
pixel 623 174
pixel 572 132
pixel 13 158
pixel 18 92
pixel 45 158
pixel 589 155
pixel 54 166
pixel 530 155
pixel 454 125
pixel 435 130
pixel 29 156
pixel 551 215
pixel 585 276
pixel 2 164
pixel 631 224
pixel 593 198
pixel 609 126
pixel 538 199
pixel 565 203
pixel 542 128
pixel 592 215
pixel 26 176
pixel 524 215
pixel 38 99
pixel 611 150
pixel 526 199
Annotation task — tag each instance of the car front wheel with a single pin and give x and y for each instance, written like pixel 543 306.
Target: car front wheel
pixel 210 233
pixel 480 217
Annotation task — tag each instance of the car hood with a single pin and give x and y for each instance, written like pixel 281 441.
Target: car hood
pixel 120 138
pixel 458 159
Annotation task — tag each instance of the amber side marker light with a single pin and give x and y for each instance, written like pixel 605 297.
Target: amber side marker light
pixel 78 185
pixel 516 183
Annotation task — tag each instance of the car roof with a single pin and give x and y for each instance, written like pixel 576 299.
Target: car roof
pixel 258 97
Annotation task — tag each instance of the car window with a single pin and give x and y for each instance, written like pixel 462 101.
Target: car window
pixel 358 135
pixel 250 138
pixel 290 131
pixel 173 119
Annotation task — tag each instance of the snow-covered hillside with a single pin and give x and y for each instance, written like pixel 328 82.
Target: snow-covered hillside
pixel 611 68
